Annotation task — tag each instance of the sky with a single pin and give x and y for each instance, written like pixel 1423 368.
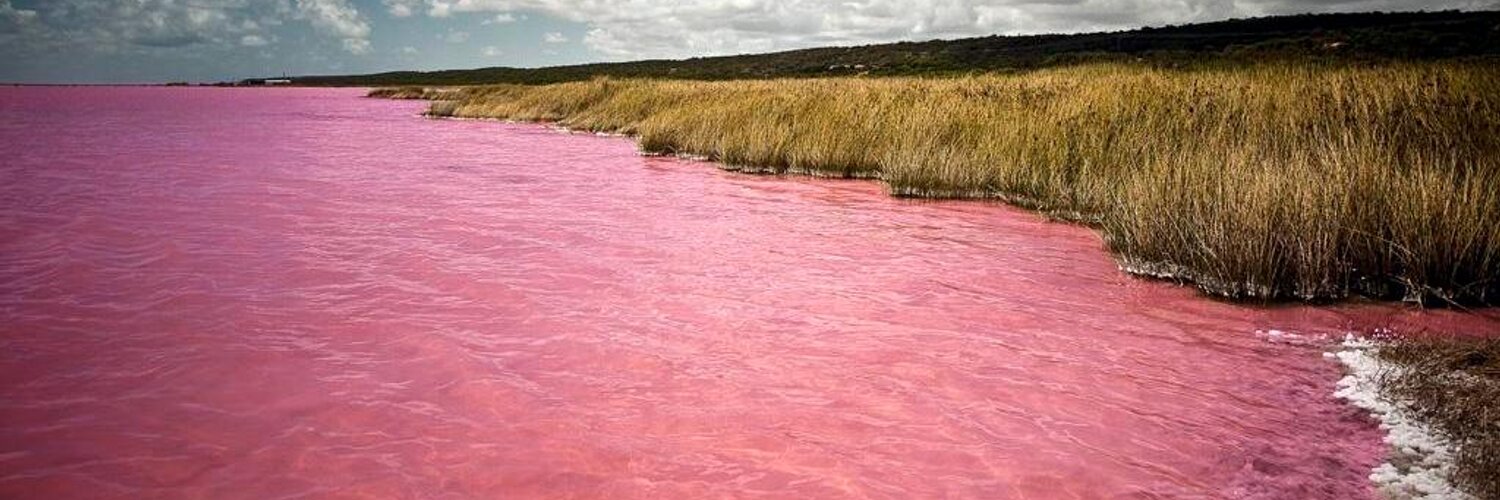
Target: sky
pixel 144 41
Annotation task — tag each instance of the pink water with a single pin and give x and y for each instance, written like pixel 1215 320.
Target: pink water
pixel 301 293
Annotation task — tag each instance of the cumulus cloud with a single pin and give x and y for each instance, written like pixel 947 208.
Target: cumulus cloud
pixel 501 18
pixel 340 19
pixel 126 25
pixel 554 37
pixel 402 8
pixel 682 28
pixel 491 51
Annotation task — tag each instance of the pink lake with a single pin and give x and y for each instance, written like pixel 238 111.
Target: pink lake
pixel 233 293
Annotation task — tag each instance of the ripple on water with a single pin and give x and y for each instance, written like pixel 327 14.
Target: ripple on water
pixel 233 293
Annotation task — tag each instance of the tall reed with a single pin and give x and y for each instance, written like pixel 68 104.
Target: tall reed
pixel 1269 181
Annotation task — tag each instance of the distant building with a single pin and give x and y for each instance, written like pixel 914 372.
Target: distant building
pixel 278 81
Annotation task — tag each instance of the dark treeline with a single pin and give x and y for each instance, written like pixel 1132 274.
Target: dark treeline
pixel 1334 37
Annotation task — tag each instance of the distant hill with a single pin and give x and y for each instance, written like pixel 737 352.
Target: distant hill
pixel 1337 37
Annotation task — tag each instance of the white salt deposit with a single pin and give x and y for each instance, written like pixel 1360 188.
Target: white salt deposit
pixel 1420 460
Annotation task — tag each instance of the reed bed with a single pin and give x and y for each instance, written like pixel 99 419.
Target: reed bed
pixel 1268 181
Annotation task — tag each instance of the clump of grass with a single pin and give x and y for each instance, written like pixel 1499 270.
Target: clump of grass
pixel 1269 181
pixel 442 108
pixel 1454 385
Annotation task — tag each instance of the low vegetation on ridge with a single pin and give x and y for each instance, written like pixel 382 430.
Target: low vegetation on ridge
pixel 1276 180
pixel 1364 36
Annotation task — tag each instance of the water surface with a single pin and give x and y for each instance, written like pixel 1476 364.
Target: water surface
pixel 277 293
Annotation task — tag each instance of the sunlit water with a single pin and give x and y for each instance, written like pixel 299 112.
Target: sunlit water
pixel 273 293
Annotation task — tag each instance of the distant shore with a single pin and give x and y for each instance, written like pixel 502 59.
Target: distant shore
pixel 1352 38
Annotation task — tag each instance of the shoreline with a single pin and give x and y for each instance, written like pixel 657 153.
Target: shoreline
pixel 1419 461
pixel 1437 399
pixel 1422 463
pixel 1338 223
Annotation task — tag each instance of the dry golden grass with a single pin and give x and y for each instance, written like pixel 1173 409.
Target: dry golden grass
pixel 428 93
pixel 1271 181
pixel 1454 385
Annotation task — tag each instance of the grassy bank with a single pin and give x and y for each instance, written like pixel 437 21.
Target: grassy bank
pixel 414 92
pixel 1271 181
pixel 1454 386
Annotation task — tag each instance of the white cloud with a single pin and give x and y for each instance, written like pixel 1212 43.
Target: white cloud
pixel 554 37
pixel 402 8
pixel 439 9
pixel 457 37
pixel 501 18
pixel 356 45
pixel 253 41
pixel 491 51
pixel 684 28
pixel 340 19
pixel 409 51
